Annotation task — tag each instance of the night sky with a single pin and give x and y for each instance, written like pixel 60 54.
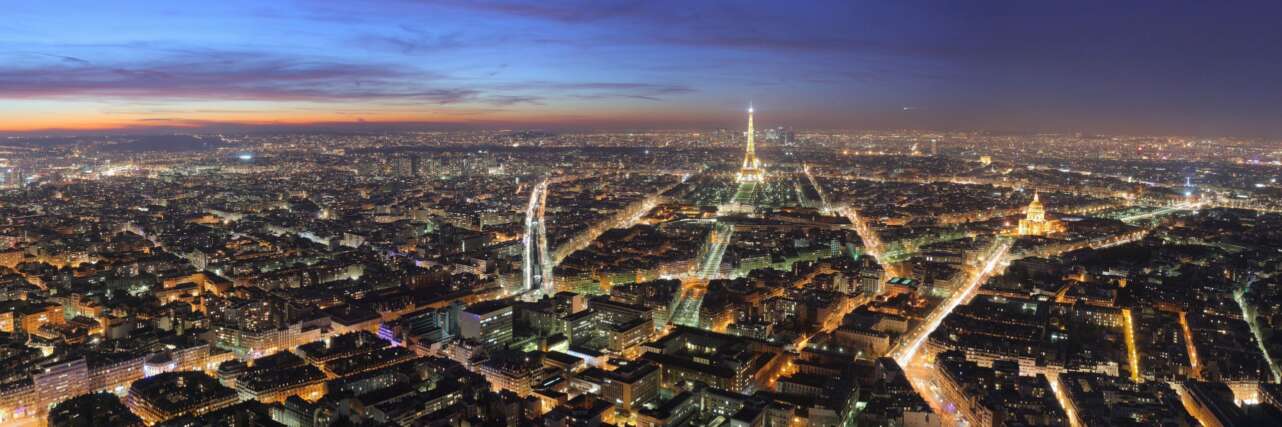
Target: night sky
pixel 1159 67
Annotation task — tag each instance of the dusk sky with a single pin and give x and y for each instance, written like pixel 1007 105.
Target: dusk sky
pixel 1159 67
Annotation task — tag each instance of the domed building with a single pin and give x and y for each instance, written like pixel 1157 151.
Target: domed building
pixel 1035 222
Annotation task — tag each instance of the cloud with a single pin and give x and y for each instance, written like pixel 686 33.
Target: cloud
pixel 726 25
pixel 802 43
pixel 412 40
pixel 496 70
pixel 506 100
pixel 198 74
pixel 208 74
pixel 600 90
pixel 68 59
pixel 552 11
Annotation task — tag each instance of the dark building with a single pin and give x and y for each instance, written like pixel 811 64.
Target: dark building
pixel 91 410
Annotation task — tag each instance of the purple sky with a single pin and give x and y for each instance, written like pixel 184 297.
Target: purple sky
pixel 1152 67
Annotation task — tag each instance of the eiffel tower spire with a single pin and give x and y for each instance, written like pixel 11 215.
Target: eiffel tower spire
pixel 751 170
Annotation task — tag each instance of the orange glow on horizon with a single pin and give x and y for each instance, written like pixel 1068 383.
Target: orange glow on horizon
pixel 40 121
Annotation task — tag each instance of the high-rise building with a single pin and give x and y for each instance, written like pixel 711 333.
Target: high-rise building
pixel 489 323
pixel 751 170
pixel 406 166
pixel 61 379
pixel 424 327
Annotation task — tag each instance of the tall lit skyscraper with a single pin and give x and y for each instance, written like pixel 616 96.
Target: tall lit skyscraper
pixel 751 170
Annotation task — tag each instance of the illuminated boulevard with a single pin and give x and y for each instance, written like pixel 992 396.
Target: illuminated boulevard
pixel 872 242
pixel 709 267
pixel 920 371
pixel 1248 314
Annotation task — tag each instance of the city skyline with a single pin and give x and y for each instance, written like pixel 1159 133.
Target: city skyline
pixel 1142 68
pixel 615 213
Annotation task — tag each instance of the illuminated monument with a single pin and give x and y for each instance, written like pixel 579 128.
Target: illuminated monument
pixel 1035 222
pixel 751 170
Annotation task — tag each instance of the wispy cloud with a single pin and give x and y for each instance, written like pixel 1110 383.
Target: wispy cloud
pixel 63 58
pixel 567 12
pixel 233 75
pixel 725 25
pixel 203 74
pixel 506 100
pixel 600 90
pixel 414 40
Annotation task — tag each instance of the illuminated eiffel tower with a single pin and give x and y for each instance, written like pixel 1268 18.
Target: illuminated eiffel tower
pixel 751 170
